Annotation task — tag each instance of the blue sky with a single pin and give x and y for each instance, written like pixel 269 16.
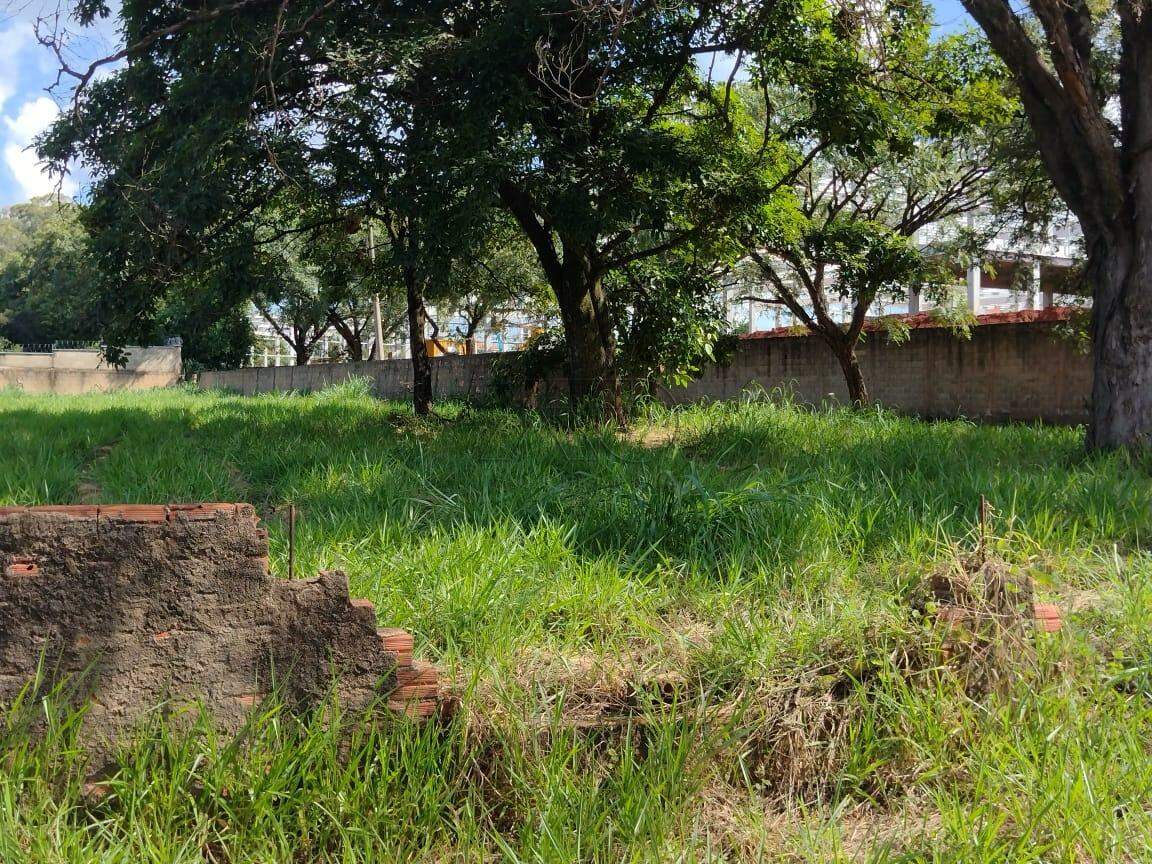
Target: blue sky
pixel 950 15
pixel 27 69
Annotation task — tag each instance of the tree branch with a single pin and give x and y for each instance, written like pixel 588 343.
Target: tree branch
pixel 1074 137
pixel 82 77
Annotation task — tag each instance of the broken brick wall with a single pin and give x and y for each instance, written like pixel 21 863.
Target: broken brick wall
pixel 143 606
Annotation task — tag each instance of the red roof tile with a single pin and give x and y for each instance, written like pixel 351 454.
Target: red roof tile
pixel 922 320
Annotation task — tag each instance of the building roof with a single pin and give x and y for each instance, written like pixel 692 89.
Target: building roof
pixel 924 320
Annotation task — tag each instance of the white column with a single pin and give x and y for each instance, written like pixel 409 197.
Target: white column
pixel 974 285
pixel 913 294
pixel 1037 295
pixel 1047 301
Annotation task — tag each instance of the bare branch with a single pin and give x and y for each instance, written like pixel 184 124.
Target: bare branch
pixel 52 39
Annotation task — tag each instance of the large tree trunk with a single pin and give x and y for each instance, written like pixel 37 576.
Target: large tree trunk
pixel 589 336
pixel 302 349
pixel 588 331
pixel 1121 273
pixel 353 343
pixel 470 338
pixel 853 377
pixel 1105 178
pixel 421 365
pixel 474 316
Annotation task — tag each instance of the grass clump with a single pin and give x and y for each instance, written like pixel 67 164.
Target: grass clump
pixel 705 640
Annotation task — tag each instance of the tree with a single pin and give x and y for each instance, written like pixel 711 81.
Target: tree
pixel 48 292
pixel 322 277
pixel 854 260
pixel 951 149
pixel 406 239
pixel 216 120
pixel 671 316
pixel 45 275
pixel 290 300
pixel 345 263
pixel 593 124
pixel 1083 69
pixel 20 222
pixel 211 337
pixel 608 143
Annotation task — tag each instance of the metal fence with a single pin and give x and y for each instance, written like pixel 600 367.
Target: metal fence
pixel 49 347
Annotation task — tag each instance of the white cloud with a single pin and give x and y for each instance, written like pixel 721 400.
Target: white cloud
pixel 34 117
pixel 30 174
pixel 17 39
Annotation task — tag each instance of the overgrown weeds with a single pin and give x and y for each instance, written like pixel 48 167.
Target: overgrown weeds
pixel 716 639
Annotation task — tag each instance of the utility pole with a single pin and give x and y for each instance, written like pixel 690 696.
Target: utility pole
pixel 378 347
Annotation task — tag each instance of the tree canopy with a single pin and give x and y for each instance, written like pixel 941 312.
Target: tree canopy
pixel 637 152
pixel 604 130
pixel 955 148
pixel 46 292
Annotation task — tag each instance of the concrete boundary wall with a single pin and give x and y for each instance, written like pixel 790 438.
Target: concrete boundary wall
pixel 453 377
pixel 70 371
pixel 1015 367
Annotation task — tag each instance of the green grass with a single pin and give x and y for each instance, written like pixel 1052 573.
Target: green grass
pixel 697 642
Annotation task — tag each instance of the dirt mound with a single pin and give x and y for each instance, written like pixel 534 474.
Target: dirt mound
pixel 137 607
pixel 987 616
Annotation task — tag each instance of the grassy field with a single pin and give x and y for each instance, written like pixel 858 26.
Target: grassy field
pixel 701 641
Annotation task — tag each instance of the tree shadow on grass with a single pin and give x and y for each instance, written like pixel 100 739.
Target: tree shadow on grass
pixel 758 485
pixel 492 533
pixel 889 477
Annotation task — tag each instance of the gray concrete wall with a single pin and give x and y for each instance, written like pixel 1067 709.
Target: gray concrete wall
pixel 84 371
pixel 1020 370
pixel 453 377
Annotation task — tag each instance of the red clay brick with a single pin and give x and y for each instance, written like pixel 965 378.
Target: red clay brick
pixel 418 674
pixel 135 513
pixel 1048 617
pixel 398 642
pixel 395 639
pixel 416 709
pixel 21 565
